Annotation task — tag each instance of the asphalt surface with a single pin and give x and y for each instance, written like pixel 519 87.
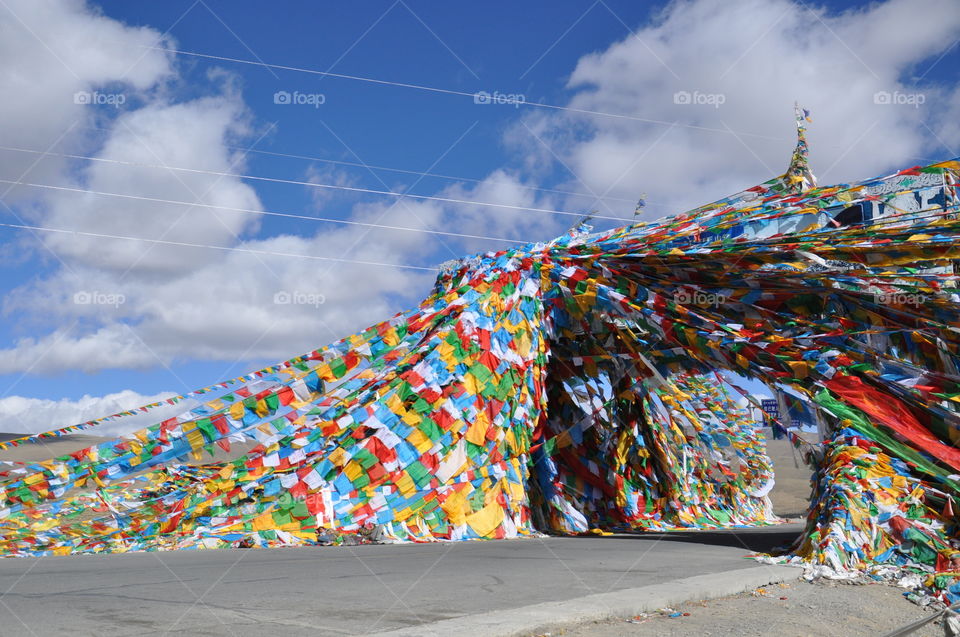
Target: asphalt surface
pixel 346 590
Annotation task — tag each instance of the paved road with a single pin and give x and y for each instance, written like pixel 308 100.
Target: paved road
pixel 345 590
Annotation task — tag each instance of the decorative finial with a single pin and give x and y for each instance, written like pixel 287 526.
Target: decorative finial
pixel 799 177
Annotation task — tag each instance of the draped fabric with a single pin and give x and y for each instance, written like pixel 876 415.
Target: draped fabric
pixel 573 385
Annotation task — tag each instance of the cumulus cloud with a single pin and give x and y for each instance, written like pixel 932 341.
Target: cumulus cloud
pixel 56 56
pixel 726 76
pixel 242 307
pixel 113 304
pixel 508 189
pixel 193 135
pixel 253 304
pixel 36 415
pixel 71 349
pixel 130 304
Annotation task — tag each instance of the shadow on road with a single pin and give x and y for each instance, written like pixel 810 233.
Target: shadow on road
pixel 757 540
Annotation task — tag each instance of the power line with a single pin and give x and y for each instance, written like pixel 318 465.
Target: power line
pixel 255 211
pixel 416 173
pixel 213 247
pixel 294 182
pixel 447 91
pixel 475 94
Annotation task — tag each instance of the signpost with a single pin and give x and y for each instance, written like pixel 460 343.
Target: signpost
pixel 772 409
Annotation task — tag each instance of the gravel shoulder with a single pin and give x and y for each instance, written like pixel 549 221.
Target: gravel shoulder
pixel 797 609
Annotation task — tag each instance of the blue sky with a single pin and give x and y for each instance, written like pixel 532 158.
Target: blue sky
pixel 189 317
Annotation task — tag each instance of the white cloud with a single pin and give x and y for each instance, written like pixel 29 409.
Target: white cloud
pixel 759 56
pixel 51 51
pixel 328 175
pixel 237 307
pixel 191 135
pixel 187 303
pixel 113 345
pixel 507 189
pixel 35 415
pixel 128 304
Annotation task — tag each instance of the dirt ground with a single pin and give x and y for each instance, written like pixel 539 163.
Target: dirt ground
pixel 797 609
pixel 791 495
pixel 54 447
pixel 46 449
